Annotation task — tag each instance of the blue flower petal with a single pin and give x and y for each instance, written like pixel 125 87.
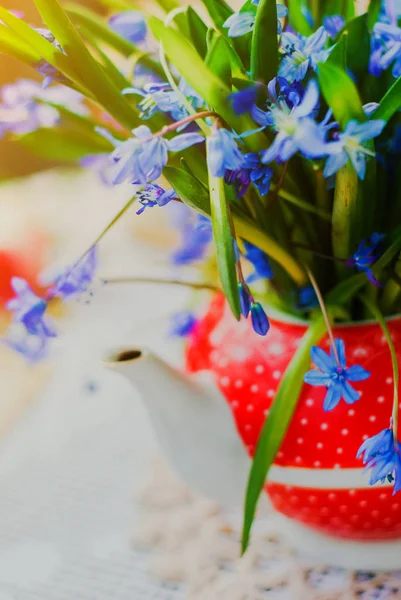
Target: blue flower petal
pixel 332 398
pixel 317 378
pixel 324 361
pixel 357 373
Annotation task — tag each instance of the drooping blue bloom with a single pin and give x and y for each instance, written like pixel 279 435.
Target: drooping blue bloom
pixel 76 279
pixel 307 298
pixel 241 23
pixel 382 455
pixel 386 49
pixel 302 53
pixel 251 171
pixel 182 324
pixel 366 255
pixel 196 236
pixel 295 127
pixel 223 153
pixel 131 25
pixel 260 321
pixel 333 25
pixel 259 261
pixel 350 146
pixel 29 309
pixel 245 300
pixel 243 100
pixel 142 158
pixel 335 377
pixel 154 195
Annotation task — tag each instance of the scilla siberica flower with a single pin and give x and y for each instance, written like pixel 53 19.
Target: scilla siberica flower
pixel 302 53
pixel 386 49
pixel 366 255
pixel 333 25
pixel 223 153
pixel 260 321
pixel 182 324
pixel 153 195
pixel 335 377
pixel 349 145
pixel 252 171
pixel 295 127
pixel 142 158
pixel 161 97
pixel 241 23
pixel 76 279
pixel 382 455
pixel 29 309
pixel 260 262
pixel 131 25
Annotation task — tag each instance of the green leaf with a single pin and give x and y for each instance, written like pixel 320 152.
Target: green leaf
pixel 374 12
pixel 390 103
pixel 167 5
pixel 219 11
pixel 194 194
pixel 13 46
pixel 338 56
pixel 224 243
pixel 297 18
pixel 346 8
pixel 85 65
pixel 64 144
pixel 277 423
pixel 358 45
pixel 190 65
pixel 345 105
pixel 198 31
pixel 264 51
pixel 98 28
pixel 216 58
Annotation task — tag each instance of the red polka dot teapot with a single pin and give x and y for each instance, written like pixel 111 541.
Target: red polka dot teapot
pixel 317 484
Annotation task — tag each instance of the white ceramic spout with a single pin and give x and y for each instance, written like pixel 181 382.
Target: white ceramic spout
pixel 194 426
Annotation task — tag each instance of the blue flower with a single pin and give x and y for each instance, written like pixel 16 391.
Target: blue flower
pixel 23 108
pixel 142 158
pixel 335 377
pixel 252 171
pixel 386 49
pixel 243 100
pixel 245 300
pixel 183 324
pixel 77 279
pixel 383 455
pixel 159 96
pixel 196 236
pixel 130 24
pixel 32 347
pixel 333 25
pixel 259 261
pixel 29 309
pixel 307 298
pixel 48 71
pixel 260 321
pixel 296 129
pixel 154 195
pixel 241 23
pixel 223 153
pixel 350 146
pixel 302 53
pixel 366 255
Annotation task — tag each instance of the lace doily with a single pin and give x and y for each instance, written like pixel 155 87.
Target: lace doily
pixel 195 547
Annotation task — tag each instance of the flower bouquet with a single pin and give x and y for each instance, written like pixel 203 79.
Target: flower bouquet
pixel 279 126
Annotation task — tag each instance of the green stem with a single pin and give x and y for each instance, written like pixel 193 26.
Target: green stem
pixel 325 314
pixel 344 210
pixel 320 212
pixel 394 360
pixel 190 284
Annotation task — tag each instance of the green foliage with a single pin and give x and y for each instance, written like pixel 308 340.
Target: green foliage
pixel 390 103
pixel 198 31
pixel 347 105
pixel 276 424
pixel 264 52
pixel 76 143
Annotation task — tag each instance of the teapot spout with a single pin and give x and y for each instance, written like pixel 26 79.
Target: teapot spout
pixel 193 425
